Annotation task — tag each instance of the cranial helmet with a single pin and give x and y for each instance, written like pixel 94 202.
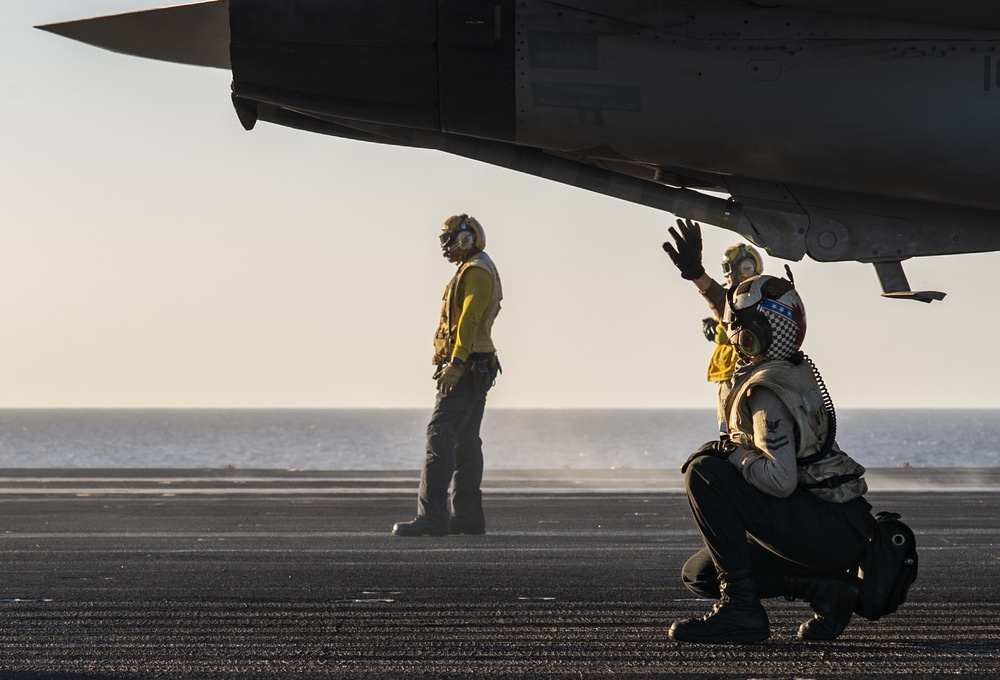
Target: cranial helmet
pixel 744 260
pixel 461 232
pixel 765 317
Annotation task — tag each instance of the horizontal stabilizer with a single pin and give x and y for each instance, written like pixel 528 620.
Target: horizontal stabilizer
pixel 186 34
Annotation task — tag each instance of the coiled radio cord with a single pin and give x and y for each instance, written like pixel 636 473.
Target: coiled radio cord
pixel 831 417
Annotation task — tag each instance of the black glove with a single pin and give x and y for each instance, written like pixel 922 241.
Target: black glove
pixel 720 448
pixel 708 327
pixel 687 254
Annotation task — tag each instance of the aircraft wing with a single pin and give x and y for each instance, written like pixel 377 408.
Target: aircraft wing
pixel 195 34
pixel 199 33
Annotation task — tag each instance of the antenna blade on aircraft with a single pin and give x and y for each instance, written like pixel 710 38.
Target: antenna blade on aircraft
pixel 195 34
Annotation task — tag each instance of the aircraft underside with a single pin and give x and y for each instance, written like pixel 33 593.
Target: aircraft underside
pixel 839 132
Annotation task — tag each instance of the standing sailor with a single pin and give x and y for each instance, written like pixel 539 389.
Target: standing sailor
pixel 739 263
pixel 467 366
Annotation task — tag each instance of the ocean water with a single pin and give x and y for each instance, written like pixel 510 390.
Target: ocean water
pixel 393 439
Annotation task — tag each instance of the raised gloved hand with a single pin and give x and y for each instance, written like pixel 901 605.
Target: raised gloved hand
pixel 708 328
pixel 448 377
pixel 686 255
pixel 720 448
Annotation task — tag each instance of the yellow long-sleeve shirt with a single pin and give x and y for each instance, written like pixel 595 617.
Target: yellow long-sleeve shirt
pixel 475 289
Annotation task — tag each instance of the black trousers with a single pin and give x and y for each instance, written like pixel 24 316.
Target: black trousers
pixel 453 465
pixel 744 528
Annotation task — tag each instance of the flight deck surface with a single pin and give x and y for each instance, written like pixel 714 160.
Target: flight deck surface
pixel 233 574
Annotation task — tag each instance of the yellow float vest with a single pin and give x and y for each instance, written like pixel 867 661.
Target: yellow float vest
pixel 723 361
pixel 722 364
pixel 444 338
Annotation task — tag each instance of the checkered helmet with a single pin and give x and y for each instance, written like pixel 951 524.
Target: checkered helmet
pixel 765 317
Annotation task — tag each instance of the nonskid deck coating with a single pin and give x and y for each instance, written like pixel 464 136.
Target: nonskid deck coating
pixel 301 578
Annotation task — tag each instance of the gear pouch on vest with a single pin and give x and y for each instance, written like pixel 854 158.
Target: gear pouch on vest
pixel 442 346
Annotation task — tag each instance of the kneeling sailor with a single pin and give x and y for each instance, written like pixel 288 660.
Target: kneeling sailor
pixel 779 506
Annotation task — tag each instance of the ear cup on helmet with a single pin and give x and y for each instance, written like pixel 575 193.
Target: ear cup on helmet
pixel 462 231
pixel 752 338
pixel 751 332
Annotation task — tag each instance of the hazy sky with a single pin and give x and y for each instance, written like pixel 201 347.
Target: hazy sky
pixel 153 253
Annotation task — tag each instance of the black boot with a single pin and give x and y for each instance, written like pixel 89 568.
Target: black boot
pixel 420 526
pixel 832 598
pixel 737 617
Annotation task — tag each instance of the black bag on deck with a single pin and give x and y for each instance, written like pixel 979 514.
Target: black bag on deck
pixel 888 567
